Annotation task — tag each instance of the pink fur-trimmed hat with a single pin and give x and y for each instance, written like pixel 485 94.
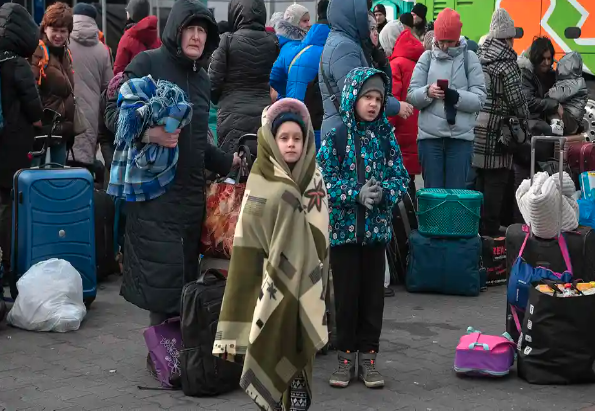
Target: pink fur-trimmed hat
pixel 288 105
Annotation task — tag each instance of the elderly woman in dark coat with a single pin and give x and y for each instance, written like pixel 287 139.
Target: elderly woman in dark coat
pixel 240 70
pixel 162 235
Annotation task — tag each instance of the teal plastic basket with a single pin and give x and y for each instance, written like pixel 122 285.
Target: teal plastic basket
pixel 448 213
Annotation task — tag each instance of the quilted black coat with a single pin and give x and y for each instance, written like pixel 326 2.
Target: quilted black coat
pixel 240 70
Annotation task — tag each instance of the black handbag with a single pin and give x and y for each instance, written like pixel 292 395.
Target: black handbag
pixel 557 342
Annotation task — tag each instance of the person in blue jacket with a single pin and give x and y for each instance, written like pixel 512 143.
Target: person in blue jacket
pixel 299 70
pixel 291 30
pixel 348 46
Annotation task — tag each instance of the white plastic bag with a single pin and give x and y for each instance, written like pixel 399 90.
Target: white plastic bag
pixel 50 298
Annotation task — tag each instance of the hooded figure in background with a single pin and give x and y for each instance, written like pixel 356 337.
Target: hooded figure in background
pixel 239 72
pixel 294 25
pixel 162 235
pixel 92 73
pixel 140 34
pixel 343 51
pixel 21 108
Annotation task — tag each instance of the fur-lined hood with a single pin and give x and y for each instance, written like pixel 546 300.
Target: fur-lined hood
pixel 524 62
pixel 283 28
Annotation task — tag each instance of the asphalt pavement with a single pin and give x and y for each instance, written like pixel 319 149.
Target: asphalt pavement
pixel 100 366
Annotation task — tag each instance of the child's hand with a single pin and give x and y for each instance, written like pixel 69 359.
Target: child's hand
pixel 406 110
pixel 560 110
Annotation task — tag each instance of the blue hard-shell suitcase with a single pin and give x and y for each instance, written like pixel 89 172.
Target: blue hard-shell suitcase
pixel 443 265
pixel 53 217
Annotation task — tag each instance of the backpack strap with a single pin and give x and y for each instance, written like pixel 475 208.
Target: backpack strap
pixel 297 57
pixel 43 62
pixel 327 83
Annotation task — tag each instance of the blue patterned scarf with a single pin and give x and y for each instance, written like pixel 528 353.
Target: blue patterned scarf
pixel 142 172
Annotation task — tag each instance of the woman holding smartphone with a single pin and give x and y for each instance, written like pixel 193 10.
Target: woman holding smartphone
pixel 448 88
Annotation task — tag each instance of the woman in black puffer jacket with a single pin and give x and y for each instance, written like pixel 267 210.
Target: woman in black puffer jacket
pixel 240 70
pixel 21 108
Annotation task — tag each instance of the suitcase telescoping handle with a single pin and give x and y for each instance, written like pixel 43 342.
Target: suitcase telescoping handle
pixel 562 143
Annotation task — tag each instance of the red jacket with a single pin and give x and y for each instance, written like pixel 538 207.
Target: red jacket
pixel 406 53
pixel 140 37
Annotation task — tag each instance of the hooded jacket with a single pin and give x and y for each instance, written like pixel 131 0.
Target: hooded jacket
pixel 240 70
pixel 505 98
pixel 290 43
pixel 306 61
pixel 535 89
pixel 92 73
pixel 571 88
pixel 365 157
pixel 288 33
pixel 162 235
pixel 437 65
pixel 343 52
pixel 21 105
pixel 406 52
pixel 137 38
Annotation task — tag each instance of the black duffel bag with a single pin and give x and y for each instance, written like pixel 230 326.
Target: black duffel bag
pixel 557 343
pixel 202 373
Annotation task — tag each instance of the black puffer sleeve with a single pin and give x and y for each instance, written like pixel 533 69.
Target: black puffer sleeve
pixel 24 82
pixel 218 68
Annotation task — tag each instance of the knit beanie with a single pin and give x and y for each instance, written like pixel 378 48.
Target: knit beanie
pixel 294 14
pixel 322 9
pixel 84 9
pixel 502 25
pixel 285 117
pixel 138 9
pixel 380 9
pixel 406 19
pixel 429 40
pixel 420 11
pixel 288 106
pixel 389 35
pixel 448 26
pixel 373 83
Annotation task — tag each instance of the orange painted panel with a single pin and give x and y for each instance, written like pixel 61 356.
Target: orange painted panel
pixel 526 14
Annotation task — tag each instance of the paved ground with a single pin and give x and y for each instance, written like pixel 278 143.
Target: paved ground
pixel 100 366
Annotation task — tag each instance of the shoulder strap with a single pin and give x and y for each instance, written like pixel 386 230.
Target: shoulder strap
pixel 43 62
pixel 327 83
pixel 297 57
pixel 466 62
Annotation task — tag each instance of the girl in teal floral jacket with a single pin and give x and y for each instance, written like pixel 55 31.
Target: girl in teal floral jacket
pixel 363 169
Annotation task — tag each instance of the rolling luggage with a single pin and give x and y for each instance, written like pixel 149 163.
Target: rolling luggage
pixel 547 253
pixel 581 157
pixel 444 265
pixel 105 234
pixel 404 221
pixel 53 217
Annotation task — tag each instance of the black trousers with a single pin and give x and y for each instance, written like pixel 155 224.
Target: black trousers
pixel 493 184
pixel 358 276
pixel 5 227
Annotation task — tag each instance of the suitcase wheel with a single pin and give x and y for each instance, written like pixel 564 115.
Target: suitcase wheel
pixel 88 302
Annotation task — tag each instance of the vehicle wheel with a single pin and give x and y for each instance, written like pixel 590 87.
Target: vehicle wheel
pixel 88 302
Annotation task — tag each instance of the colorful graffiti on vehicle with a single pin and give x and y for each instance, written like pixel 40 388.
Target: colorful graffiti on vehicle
pixel 536 17
pixel 551 18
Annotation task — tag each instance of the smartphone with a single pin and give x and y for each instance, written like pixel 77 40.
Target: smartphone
pixel 443 84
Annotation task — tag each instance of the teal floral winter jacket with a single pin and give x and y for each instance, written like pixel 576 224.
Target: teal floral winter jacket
pixel 371 151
